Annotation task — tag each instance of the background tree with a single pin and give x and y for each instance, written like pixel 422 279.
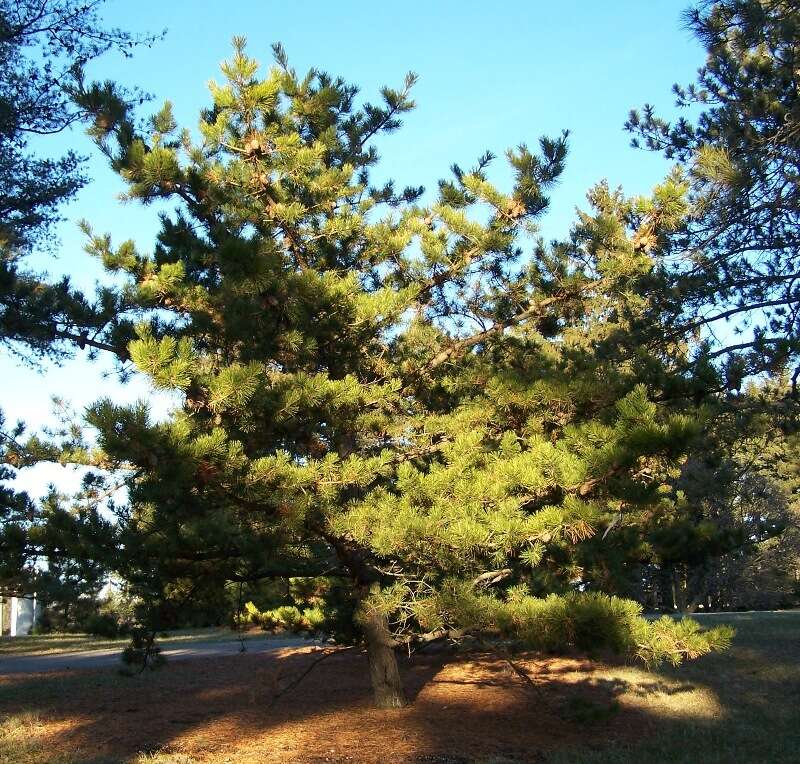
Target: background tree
pixel 44 45
pixel 728 536
pixel 377 390
pixel 734 270
pixel 727 288
pixel 57 547
pixel 50 549
pixel 735 545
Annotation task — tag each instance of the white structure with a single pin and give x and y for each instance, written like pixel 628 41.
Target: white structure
pixel 23 615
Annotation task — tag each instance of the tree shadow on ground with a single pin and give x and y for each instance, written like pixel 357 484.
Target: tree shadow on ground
pixel 460 706
pixel 464 708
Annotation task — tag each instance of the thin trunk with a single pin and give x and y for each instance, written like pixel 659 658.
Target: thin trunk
pixel 387 686
pixel 674 594
pixel 679 586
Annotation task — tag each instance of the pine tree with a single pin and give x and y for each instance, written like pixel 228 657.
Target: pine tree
pixel 732 539
pixel 424 400
pixel 57 549
pixel 734 262
pixel 44 46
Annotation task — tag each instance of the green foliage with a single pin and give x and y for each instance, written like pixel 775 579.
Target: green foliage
pixel 286 618
pixel 739 147
pixel 382 392
pixel 310 605
pixel 43 49
pixel 587 621
pixel 167 361
pixel 142 653
pixel 666 639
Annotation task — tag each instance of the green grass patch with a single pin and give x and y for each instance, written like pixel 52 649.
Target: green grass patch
pixel 739 706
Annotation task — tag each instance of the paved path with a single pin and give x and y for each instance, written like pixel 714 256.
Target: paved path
pixel 89 659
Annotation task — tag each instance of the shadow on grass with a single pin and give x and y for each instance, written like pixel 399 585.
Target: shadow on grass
pixel 731 707
pixel 755 686
pixel 460 707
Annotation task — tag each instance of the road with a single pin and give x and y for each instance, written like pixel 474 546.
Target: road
pixel 89 659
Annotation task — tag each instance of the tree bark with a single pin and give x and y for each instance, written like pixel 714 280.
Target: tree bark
pixel 387 686
pixel 679 590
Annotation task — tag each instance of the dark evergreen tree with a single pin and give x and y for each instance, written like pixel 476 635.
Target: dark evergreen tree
pixel 44 45
pixel 732 539
pixel 733 269
pixel 60 550
pixel 726 536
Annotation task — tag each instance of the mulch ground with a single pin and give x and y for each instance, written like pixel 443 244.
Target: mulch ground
pixel 237 709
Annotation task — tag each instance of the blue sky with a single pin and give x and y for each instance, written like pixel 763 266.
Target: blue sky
pixel 491 76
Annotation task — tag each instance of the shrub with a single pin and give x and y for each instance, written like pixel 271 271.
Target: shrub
pixel 142 652
pixel 102 625
pixel 285 618
pixel 588 621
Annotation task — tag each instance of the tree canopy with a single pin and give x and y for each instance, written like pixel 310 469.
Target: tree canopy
pixel 422 399
pixel 44 47
pixel 735 260
pixel 409 407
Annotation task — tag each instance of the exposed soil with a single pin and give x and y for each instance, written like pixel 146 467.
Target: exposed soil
pixel 462 709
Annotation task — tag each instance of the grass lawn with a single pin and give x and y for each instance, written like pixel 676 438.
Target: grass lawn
pixel 741 706
pixel 45 644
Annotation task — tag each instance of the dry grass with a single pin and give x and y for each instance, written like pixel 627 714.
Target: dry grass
pixel 738 707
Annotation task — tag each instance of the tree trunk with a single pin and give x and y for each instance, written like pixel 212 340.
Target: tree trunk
pixel 674 593
pixel 679 587
pixel 387 687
